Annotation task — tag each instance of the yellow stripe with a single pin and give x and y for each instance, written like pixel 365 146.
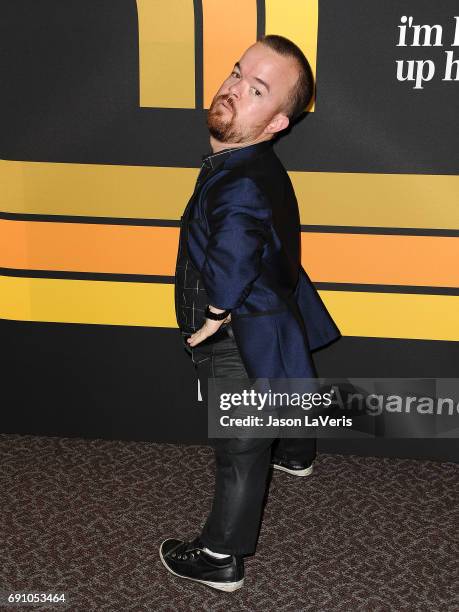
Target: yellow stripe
pixel 78 301
pixel 324 198
pixel 394 315
pixel 95 190
pixel 166 53
pixel 378 200
pixel 299 23
pixel 381 315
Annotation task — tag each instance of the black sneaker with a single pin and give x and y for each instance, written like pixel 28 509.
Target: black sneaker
pixel 188 560
pixel 292 467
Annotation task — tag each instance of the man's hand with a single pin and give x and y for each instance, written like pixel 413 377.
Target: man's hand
pixel 208 329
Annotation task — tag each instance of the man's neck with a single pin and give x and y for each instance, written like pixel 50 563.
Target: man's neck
pixel 217 145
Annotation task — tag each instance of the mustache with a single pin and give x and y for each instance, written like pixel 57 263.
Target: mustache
pixel 227 100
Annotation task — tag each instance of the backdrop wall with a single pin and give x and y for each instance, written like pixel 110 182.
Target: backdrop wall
pixel 103 108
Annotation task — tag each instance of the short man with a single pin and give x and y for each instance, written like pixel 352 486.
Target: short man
pixel 245 306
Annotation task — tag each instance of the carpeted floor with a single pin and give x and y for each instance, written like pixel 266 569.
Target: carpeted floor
pixel 85 517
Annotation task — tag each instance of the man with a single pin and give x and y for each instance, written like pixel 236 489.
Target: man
pixel 245 306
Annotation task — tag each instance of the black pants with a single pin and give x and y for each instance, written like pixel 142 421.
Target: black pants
pixel 242 464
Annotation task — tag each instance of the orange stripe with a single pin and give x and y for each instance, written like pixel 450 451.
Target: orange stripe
pixel 85 247
pixel 381 259
pixel 228 29
pixel 340 258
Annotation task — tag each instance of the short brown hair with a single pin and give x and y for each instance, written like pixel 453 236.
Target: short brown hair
pixel 302 92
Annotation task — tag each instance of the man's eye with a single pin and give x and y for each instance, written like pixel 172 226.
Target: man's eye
pixel 234 72
pixel 258 92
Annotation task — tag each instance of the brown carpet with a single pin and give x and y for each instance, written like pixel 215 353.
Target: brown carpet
pixel 361 534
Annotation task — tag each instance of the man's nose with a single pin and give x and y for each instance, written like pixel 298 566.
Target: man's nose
pixel 235 90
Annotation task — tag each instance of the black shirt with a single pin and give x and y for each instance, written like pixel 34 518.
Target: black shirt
pixel 190 295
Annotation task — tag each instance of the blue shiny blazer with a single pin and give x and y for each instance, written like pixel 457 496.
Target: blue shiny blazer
pixel 244 238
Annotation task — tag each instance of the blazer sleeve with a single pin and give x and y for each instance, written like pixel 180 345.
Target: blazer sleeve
pixel 239 221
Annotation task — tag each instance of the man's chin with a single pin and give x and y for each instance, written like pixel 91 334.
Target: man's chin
pixel 218 131
pixel 220 136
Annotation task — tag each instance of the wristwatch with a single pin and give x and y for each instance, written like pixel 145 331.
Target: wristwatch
pixel 216 316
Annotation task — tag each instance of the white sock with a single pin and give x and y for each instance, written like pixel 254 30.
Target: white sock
pixel 214 554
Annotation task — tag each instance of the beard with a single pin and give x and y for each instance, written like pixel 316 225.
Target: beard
pixel 222 123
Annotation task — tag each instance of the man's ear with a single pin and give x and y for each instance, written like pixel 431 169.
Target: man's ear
pixel 278 123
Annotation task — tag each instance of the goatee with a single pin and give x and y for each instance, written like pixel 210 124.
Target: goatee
pixel 220 127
